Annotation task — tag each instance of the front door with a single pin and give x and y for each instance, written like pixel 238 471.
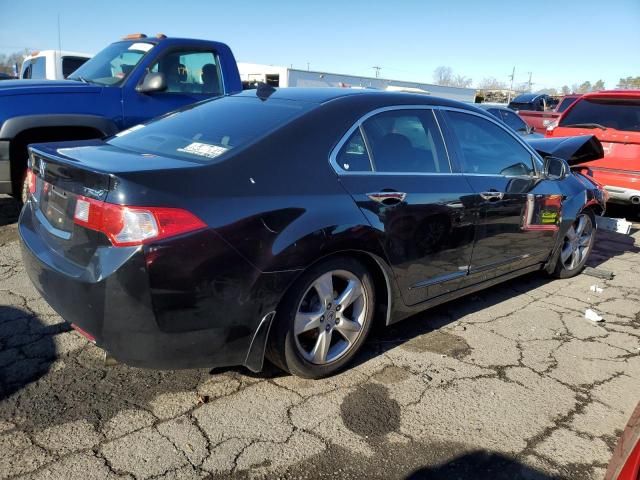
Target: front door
pixel 192 76
pixel 396 168
pixel 518 210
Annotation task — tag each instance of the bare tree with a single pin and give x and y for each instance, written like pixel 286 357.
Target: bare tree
pixel 461 81
pixel 599 85
pixel 443 75
pixel 491 83
pixel 629 83
pixel 584 87
pixel 548 91
pixel 565 90
pixel 7 62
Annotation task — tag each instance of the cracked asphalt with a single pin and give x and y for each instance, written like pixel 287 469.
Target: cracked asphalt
pixel 512 382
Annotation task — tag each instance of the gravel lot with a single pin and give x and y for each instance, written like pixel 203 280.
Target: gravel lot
pixel 510 383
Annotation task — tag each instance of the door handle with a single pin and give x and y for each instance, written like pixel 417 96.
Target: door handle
pixel 387 198
pixel 492 195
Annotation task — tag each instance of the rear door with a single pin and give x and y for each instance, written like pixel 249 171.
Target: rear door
pixel 395 165
pixel 518 210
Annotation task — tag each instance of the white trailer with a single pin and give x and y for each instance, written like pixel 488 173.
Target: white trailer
pixel 251 73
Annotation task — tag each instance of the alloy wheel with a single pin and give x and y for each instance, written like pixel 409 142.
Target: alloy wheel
pixel 330 317
pixel 577 242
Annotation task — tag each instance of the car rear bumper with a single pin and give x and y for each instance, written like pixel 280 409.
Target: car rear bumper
pixel 121 310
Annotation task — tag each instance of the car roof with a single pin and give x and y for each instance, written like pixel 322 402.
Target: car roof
pixel 320 95
pixel 613 94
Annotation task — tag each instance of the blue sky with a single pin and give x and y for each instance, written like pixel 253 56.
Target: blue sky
pixel 560 42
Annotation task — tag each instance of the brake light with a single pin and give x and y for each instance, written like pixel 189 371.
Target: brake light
pixel 129 226
pixel 551 127
pixel 31 181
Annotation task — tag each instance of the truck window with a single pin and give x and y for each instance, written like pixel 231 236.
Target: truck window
pixel 71 64
pixel 35 68
pixel 190 72
pixel 564 104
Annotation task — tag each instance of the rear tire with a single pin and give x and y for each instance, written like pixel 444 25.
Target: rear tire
pixel 324 319
pixel 577 245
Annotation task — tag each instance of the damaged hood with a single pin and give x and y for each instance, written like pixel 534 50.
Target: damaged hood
pixel 575 150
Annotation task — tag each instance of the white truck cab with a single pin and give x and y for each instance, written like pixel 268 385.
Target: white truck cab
pixel 52 64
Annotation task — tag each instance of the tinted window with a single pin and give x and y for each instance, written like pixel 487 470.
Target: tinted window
pixel 564 104
pixel 406 141
pixel 190 72
pixel 513 120
pixel 71 64
pixel 487 148
pixel 621 114
pixel 209 130
pixel 353 156
pixel 26 69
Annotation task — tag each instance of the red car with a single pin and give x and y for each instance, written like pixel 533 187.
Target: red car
pixel 537 114
pixel 625 463
pixel 613 116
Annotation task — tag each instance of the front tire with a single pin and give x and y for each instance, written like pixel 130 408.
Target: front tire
pixel 324 319
pixel 576 247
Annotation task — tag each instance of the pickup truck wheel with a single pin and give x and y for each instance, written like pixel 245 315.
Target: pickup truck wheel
pixel 576 246
pixel 324 319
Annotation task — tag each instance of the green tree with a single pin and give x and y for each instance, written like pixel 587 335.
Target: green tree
pixel 585 87
pixel 629 83
pixel 599 85
pixel 491 83
pixel 565 90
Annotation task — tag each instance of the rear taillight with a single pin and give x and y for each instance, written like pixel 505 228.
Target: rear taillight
pixel 551 127
pixel 128 226
pixel 31 181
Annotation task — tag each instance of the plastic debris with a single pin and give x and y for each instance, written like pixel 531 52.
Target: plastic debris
pixel 592 315
pixel 596 288
pixel 618 225
pixel 598 273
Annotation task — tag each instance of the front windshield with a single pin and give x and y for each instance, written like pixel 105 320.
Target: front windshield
pixel 113 64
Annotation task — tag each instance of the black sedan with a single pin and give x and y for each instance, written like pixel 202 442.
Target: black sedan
pixel 511 118
pixel 283 223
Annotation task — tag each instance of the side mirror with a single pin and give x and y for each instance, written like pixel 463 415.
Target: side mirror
pixel 555 168
pixel 153 82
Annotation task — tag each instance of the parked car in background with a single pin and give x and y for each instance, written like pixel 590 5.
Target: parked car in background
pixel 625 462
pixel 6 76
pixel 614 118
pixel 541 119
pixel 52 64
pixel 538 102
pixel 127 83
pixel 510 118
pixel 285 220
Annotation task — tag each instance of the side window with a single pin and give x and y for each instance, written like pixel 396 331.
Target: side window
pixel 514 121
pixel 71 64
pixel 38 68
pixel 26 69
pixel 487 148
pixel 406 141
pixel 190 72
pixel 353 156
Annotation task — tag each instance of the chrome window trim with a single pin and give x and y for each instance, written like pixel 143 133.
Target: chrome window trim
pixel 488 116
pixel 333 156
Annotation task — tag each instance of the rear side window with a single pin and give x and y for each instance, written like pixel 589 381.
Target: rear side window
pixel 487 148
pixel 406 141
pixel 564 104
pixel 71 64
pixel 206 131
pixel 621 114
pixel 353 156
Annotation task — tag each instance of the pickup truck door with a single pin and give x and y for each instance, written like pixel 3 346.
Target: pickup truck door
pixel 192 75
pixel 518 210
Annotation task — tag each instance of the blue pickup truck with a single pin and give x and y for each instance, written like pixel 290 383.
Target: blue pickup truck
pixel 127 83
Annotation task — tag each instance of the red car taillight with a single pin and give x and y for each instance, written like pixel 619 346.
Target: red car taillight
pixel 127 226
pixel 31 181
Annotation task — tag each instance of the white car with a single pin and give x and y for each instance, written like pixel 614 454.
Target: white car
pixel 52 64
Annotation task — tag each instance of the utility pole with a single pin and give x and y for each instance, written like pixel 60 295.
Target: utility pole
pixel 377 69
pixel 530 82
pixel 513 74
pixel 307 66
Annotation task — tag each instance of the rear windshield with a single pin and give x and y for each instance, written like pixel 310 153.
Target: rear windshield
pixel 621 114
pixel 207 131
